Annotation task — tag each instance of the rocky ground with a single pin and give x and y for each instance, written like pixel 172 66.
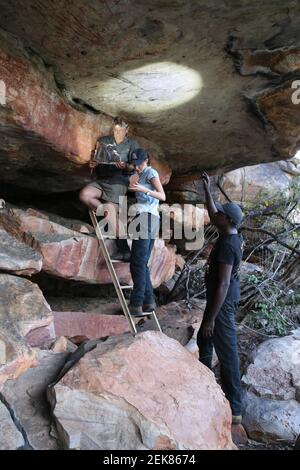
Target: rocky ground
pixel 77 340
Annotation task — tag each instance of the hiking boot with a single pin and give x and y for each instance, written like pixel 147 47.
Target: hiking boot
pixel 149 307
pixel 236 419
pixel 135 311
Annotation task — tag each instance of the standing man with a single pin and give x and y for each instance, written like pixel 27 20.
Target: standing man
pixel 223 295
pixel 111 162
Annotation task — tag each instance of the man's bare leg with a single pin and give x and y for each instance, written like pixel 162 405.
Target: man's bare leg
pixel 90 197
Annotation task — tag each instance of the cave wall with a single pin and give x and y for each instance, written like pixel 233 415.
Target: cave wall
pixel 69 67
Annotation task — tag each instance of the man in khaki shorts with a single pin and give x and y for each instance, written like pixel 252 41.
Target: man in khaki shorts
pixel 111 162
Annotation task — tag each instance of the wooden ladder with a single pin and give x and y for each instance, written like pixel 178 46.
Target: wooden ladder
pixel 119 289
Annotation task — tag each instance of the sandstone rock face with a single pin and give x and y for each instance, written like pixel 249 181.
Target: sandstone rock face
pixel 16 257
pixel 89 325
pixel 10 436
pixel 26 320
pixel 70 255
pixel 26 397
pixel 164 66
pixel 66 253
pixel 139 394
pixel 247 184
pixel 63 344
pixel 162 262
pixel 272 408
pixel 41 122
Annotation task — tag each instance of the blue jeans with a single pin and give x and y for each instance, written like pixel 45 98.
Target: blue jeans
pixel 142 292
pixel 224 340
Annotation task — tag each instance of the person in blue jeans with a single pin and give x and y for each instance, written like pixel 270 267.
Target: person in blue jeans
pixel 148 192
pixel 223 294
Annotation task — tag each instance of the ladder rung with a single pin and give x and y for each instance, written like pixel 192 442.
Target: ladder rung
pixel 126 287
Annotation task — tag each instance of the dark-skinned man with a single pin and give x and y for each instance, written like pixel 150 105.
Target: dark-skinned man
pixel 223 294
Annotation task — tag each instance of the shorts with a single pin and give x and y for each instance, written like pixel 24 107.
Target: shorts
pixel 112 188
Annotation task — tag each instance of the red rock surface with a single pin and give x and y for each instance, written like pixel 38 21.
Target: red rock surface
pixel 89 325
pixel 162 262
pixel 146 392
pixel 70 255
pixel 182 50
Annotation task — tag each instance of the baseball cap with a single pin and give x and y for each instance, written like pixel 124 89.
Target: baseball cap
pixel 232 210
pixel 138 156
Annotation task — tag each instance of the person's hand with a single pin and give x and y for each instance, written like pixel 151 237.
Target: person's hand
pixel 92 163
pixel 206 181
pixel 134 179
pixel 208 328
pixel 121 165
pixel 138 187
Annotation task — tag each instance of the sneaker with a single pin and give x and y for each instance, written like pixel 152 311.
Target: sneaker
pixel 149 307
pixel 135 311
pixel 236 419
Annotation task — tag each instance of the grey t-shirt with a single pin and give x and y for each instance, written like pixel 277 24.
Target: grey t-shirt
pixel 110 151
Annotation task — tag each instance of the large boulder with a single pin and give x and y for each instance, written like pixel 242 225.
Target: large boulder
pixel 272 400
pixel 146 392
pixel 25 320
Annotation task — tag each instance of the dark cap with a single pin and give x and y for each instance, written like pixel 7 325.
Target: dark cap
pixel 232 210
pixel 138 156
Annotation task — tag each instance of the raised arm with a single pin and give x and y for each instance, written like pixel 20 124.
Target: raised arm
pixel 211 208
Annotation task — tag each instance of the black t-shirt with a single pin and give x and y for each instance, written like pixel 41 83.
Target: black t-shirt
pixel 110 151
pixel 227 250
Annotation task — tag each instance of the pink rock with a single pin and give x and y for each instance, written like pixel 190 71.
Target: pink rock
pixel 137 393
pixel 79 258
pixel 162 262
pixel 15 367
pixel 68 254
pixel 89 325
pixel 37 111
pixel 24 316
pixel 62 344
pixel 42 336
